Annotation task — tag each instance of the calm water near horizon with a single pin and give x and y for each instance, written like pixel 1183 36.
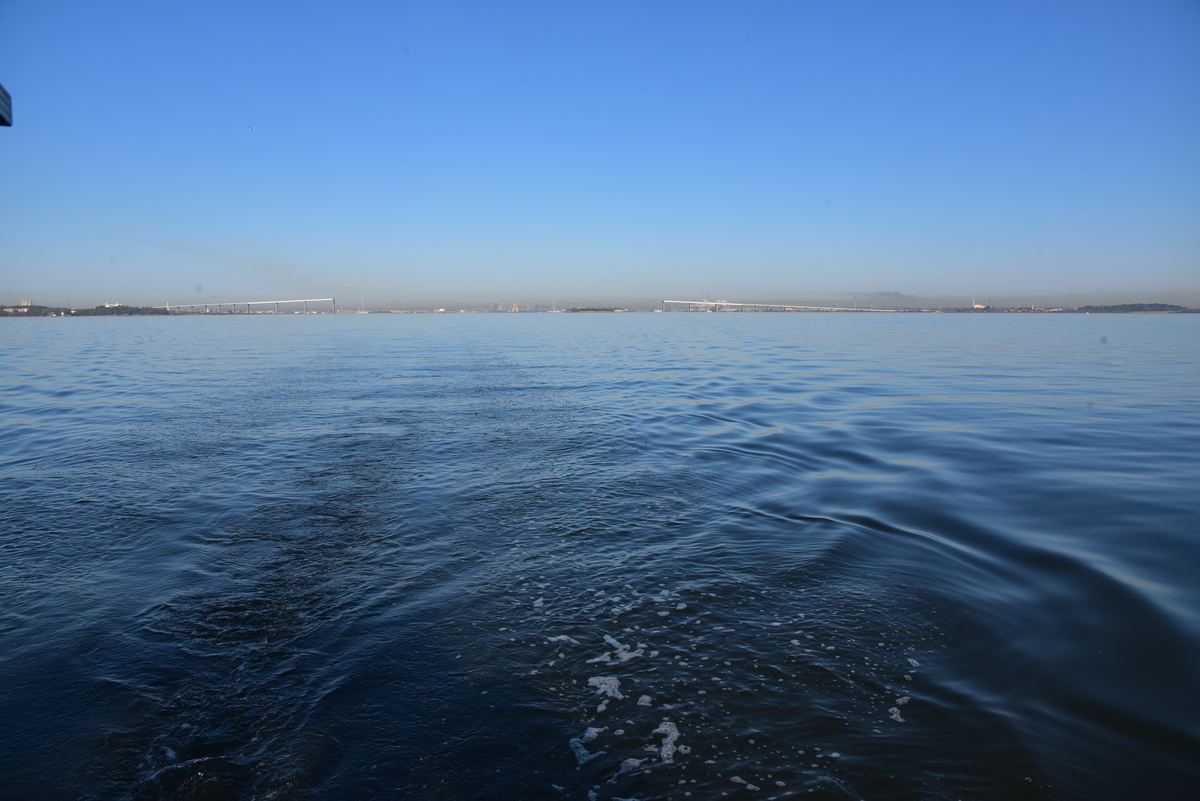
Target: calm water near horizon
pixel 640 556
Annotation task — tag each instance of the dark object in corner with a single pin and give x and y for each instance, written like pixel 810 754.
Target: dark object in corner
pixel 5 107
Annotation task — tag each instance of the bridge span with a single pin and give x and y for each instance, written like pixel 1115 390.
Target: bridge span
pixel 178 308
pixel 729 305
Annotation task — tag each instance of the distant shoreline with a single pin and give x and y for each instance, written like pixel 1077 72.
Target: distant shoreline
pixel 33 310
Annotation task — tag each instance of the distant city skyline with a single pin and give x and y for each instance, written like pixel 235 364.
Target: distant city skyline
pixel 463 154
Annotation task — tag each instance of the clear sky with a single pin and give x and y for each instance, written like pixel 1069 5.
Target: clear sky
pixel 458 153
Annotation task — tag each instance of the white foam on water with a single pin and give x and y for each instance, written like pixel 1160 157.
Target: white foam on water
pixel 563 638
pixel 894 712
pixel 620 653
pixel 581 754
pixel 670 734
pixel 903 700
pixel 914 663
pixel 607 685
pixel 628 765
pixel 645 701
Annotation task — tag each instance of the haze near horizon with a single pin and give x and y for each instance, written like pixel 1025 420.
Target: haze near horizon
pixel 462 154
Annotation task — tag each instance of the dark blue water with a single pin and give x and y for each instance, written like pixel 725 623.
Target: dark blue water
pixel 839 556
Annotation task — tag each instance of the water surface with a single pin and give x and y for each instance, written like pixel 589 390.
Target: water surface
pixel 513 556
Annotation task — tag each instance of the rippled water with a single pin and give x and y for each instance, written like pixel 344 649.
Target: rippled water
pixel 609 556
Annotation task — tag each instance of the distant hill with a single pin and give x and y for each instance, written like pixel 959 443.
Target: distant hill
pixel 1131 308
pixel 17 310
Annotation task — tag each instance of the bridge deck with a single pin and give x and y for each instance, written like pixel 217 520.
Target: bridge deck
pixel 248 303
pixel 713 304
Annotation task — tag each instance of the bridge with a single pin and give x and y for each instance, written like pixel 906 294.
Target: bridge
pixel 233 307
pixel 729 305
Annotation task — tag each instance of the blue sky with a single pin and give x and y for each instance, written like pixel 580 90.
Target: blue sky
pixel 464 153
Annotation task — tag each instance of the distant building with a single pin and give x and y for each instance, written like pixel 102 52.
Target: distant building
pixel 27 302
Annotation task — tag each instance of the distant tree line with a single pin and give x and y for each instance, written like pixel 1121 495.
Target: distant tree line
pixel 116 310
pixel 61 311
